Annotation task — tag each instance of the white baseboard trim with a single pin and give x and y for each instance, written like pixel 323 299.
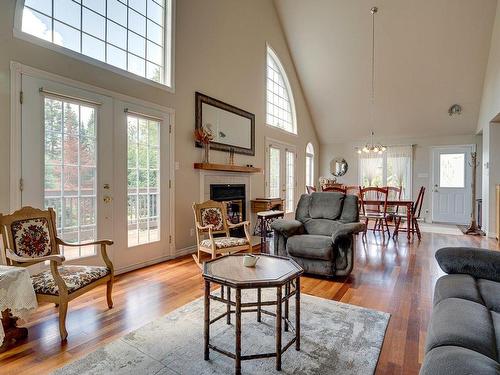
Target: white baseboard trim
pixel 143 264
pixel 492 235
pixel 178 253
pixel 185 251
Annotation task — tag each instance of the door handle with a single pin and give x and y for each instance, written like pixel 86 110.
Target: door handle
pixel 107 199
pixel 436 189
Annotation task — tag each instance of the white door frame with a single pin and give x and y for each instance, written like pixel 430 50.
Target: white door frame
pixel 472 147
pixel 16 71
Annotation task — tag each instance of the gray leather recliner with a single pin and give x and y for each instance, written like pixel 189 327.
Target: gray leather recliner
pixel 321 238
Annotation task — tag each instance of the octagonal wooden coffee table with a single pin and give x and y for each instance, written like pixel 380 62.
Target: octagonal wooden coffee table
pixel 271 271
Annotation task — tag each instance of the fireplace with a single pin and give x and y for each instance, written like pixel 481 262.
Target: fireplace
pixel 234 196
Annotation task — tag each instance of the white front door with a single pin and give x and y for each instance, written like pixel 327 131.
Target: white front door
pixel 451 184
pixel 281 177
pixel 103 165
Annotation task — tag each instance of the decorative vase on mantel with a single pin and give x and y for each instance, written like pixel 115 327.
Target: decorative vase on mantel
pixel 206 153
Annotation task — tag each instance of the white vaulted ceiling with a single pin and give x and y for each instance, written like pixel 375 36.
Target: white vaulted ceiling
pixel 430 54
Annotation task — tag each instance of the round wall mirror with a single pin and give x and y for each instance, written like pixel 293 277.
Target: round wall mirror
pixel 338 167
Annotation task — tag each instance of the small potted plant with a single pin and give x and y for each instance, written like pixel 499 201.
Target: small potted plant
pixel 204 136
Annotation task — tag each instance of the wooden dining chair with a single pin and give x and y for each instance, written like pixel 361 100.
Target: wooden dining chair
pixel 338 189
pixel 416 210
pixel 211 219
pixel 30 237
pixel 352 190
pixel 328 187
pixel 376 212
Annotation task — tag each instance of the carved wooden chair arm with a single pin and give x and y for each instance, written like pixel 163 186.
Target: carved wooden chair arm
pixel 200 227
pixel 103 243
pixel 59 259
pixel 98 242
pixel 240 224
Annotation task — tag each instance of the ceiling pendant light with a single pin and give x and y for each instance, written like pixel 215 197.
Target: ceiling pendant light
pixel 372 147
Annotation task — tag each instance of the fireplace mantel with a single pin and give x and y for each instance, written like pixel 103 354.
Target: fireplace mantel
pixel 226 168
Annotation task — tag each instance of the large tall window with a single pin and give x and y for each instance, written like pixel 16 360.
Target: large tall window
pixel 280 111
pixel 392 168
pixel 133 35
pixel 309 165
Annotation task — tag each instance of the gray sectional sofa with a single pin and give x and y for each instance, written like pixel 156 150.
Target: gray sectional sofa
pixel 320 238
pixel 464 331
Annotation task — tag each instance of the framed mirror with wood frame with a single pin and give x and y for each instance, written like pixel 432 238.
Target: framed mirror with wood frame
pixel 231 127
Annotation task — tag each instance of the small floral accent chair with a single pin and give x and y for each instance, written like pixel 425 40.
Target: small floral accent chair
pixel 30 237
pixel 211 219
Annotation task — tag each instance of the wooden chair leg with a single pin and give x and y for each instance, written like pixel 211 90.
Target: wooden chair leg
pixel 63 310
pixel 417 229
pixel 397 221
pixel 375 226
pixel 387 227
pixel 109 291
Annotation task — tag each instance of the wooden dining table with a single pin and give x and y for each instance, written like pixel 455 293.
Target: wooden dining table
pixel 408 203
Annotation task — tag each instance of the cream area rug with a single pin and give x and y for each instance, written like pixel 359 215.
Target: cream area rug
pixel 336 338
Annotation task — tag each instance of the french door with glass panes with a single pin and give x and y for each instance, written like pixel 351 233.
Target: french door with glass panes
pixel 281 178
pixel 100 169
pixel 142 140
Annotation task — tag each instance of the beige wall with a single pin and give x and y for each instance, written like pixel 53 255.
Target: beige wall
pixel 220 51
pixel 489 126
pixel 421 161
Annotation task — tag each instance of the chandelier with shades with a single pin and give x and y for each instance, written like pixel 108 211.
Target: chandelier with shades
pixel 372 147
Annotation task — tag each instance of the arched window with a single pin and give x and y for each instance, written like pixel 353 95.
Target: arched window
pixel 280 110
pixel 309 165
pixel 133 35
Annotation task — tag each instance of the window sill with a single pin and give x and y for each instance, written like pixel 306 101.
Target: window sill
pixel 78 56
pixel 281 130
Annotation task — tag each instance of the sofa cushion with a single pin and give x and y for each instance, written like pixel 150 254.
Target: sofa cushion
pixel 350 209
pixel 321 227
pixel 479 263
pixel 490 292
pixel 496 324
pixel 302 211
pixel 326 205
pixel 447 360
pixel 459 322
pixel 458 286
pixel 310 246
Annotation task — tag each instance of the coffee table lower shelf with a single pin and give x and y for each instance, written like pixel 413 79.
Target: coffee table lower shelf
pixel 292 288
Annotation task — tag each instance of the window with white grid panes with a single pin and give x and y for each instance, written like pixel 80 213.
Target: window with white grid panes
pixel 143 180
pixel 274 172
pixel 309 165
pixel 290 181
pixel 280 110
pixel 132 35
pixel 70 172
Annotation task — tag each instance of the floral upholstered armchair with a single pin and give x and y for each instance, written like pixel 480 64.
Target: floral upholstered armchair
pixel 211 219
pixel 30 237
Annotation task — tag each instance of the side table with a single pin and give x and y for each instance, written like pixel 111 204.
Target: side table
pixel 271 271
pixel 264 220
pixel 17 301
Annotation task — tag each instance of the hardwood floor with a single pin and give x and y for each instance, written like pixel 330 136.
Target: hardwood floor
pixel 396 277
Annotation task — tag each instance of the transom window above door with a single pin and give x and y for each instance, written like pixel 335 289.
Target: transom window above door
pixel 280 108
pixel 132 35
